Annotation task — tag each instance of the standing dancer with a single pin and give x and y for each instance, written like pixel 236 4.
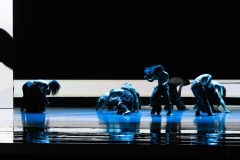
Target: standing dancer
pixel 156 72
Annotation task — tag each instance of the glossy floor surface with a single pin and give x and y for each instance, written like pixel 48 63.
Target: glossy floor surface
pixel 86 125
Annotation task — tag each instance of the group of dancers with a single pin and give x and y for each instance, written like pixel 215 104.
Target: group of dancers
pixel 126 99
pixel 207 92
pixel 203 88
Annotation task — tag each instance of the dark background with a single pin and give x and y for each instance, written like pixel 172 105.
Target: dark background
pixel 85 39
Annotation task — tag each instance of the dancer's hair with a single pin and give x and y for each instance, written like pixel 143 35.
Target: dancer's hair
pixel 150 71
pixel 54 87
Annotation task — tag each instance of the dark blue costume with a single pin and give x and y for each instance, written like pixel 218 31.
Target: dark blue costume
pixel 156 72
pixel 25 89
pixel 155 99
pixel 34 95
pixel 200 90
pixel 125 102
pixel 175 97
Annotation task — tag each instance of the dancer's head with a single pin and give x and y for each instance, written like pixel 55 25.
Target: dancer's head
pixel 150 71
pixel 54 87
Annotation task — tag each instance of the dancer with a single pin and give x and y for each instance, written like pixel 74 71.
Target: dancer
pixel 199 88
pixel 156 72
pixel 34 95
pixel 216 97
pixel 137 101
pixel 221 90
pixel 125 100
pixel 25 89
pixel 175 95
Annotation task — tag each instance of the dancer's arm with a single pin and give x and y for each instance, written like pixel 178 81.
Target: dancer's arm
pixel 150 79
pixel 222 103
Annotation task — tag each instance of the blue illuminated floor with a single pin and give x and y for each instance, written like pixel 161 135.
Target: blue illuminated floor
pixel 88 126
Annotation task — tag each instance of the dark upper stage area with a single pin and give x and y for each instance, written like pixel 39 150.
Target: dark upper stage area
pixel 118 39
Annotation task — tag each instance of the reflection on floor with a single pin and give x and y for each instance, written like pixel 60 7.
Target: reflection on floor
pixel 88 126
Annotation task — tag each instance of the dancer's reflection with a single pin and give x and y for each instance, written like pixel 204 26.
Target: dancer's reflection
pixel 210 129
pixel 222 124
pixel 155 129
pixel 122 129
pixel 173 128
pixel 35 128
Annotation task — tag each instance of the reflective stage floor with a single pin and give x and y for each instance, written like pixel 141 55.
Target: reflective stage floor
pixel 87 131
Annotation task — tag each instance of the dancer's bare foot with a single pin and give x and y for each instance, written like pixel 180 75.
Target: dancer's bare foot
pixel 227 111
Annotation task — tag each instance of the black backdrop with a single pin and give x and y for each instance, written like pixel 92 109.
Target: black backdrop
pixel 85 39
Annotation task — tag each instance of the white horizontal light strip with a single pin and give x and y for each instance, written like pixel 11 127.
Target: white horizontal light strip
pixel 96 88
pixel 232 132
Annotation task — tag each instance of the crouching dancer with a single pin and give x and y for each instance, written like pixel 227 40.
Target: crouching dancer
pixel 112 99
pixel 125 100
pixel 34 95
pixel 199 88
pixel 216 98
